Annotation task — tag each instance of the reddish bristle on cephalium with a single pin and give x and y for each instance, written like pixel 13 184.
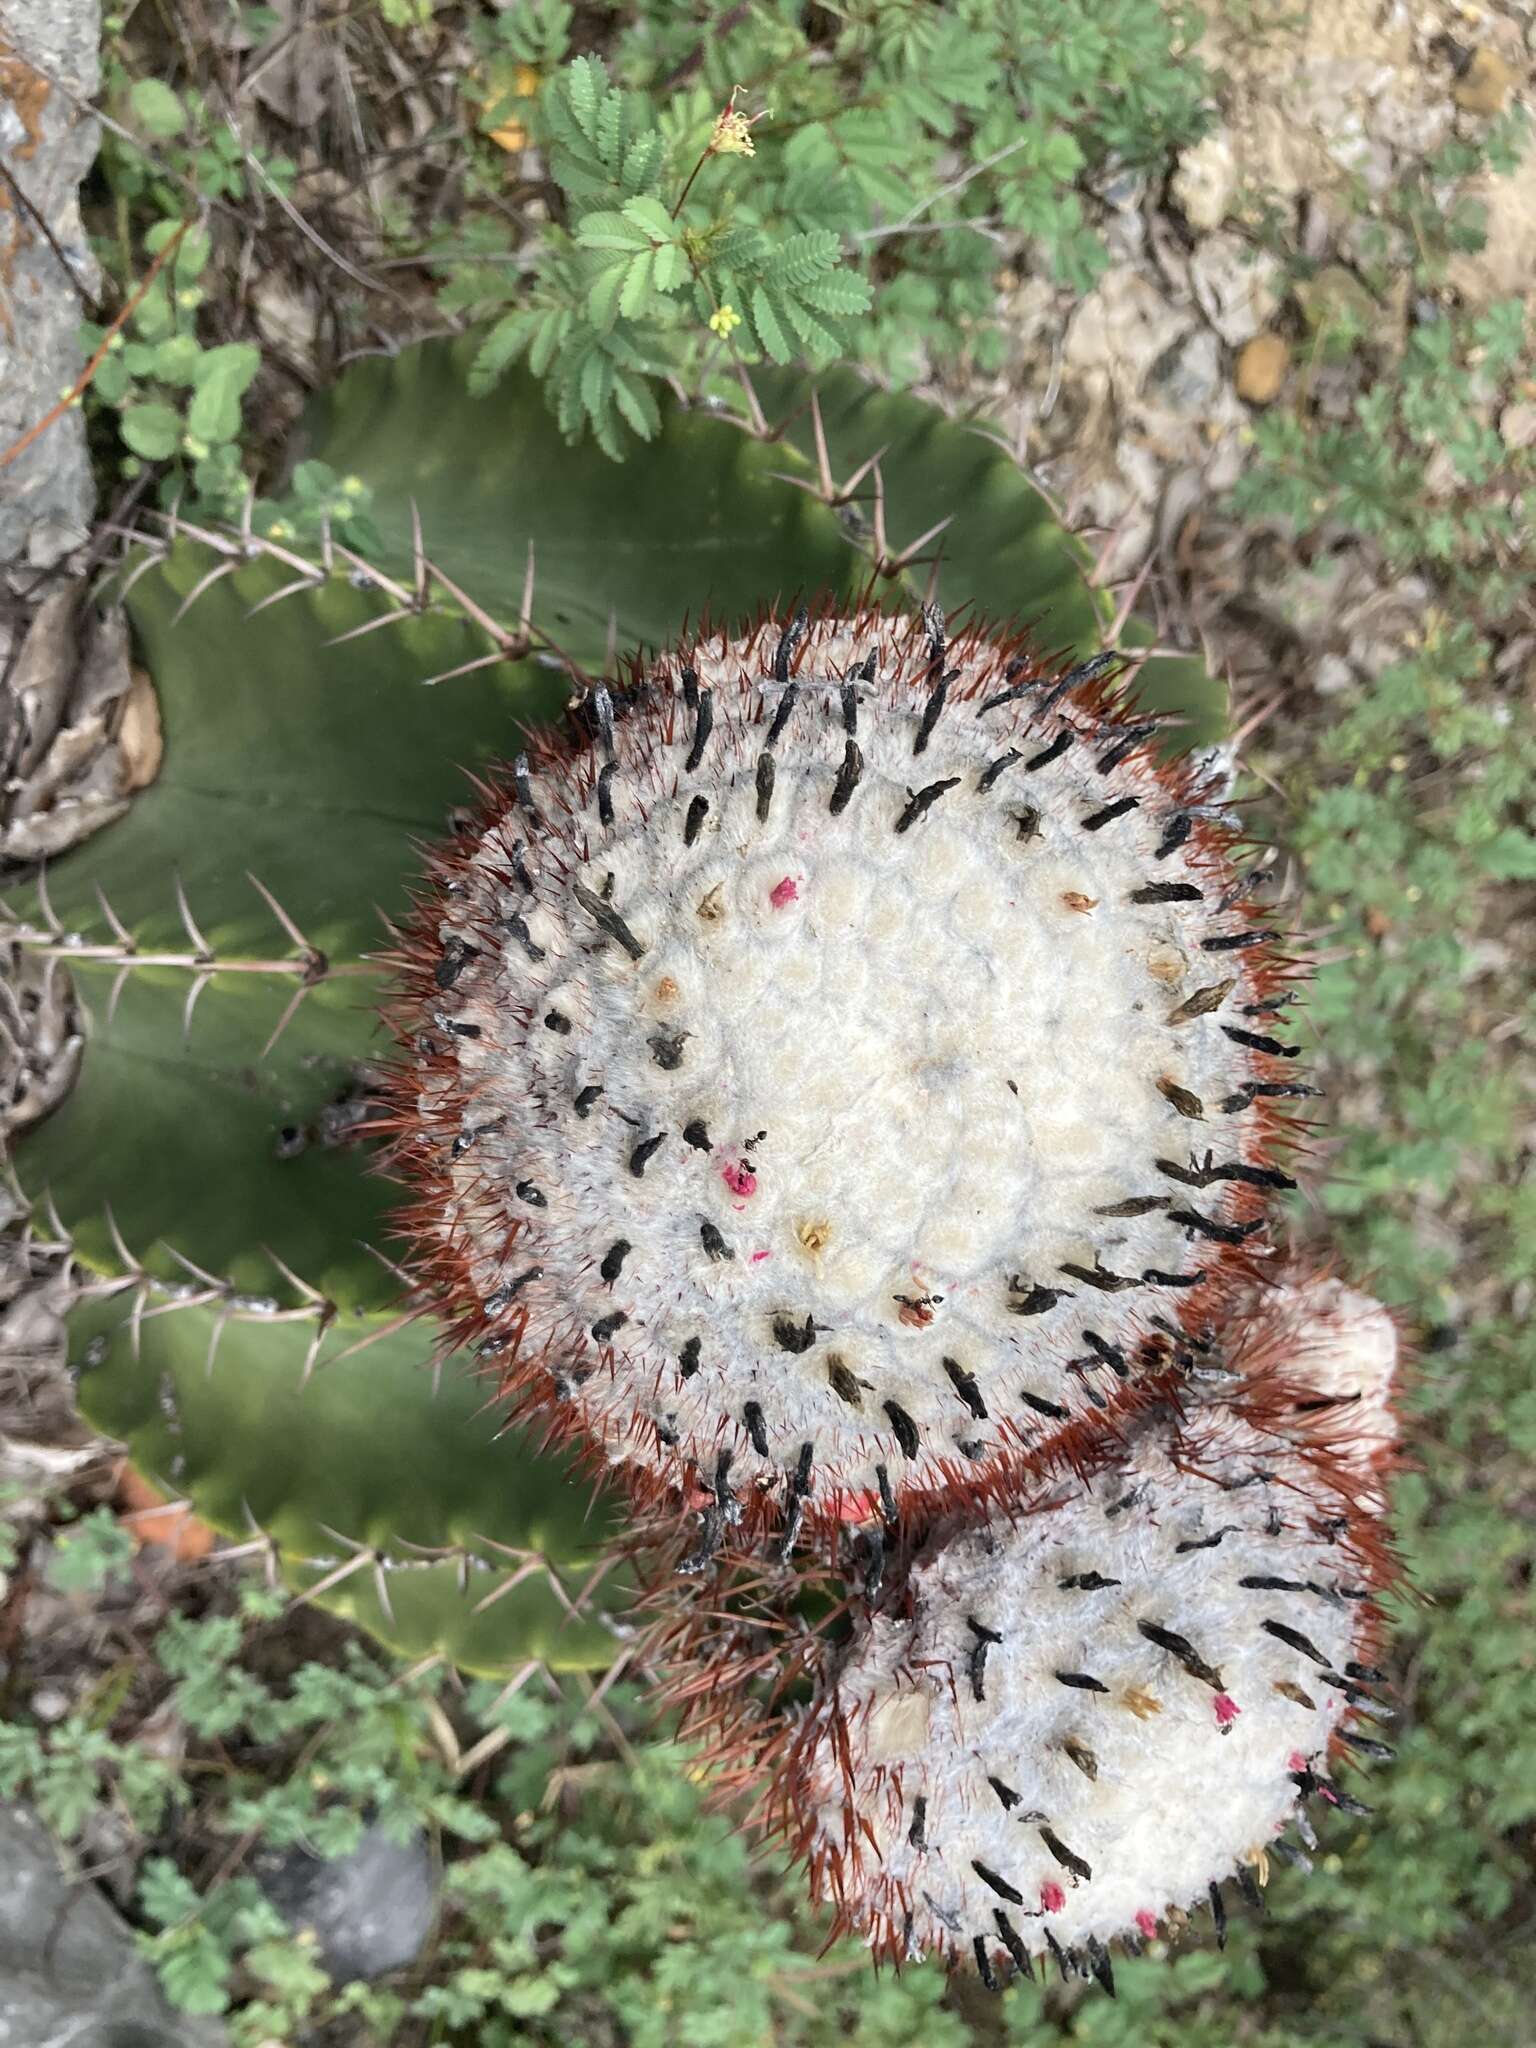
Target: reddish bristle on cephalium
pixel 1062 1726
pixel 828 1061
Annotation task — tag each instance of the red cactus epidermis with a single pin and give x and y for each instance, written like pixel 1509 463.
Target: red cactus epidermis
pixel 621 1384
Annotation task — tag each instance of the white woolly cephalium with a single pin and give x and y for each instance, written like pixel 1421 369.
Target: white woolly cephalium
pixel 820 1079
pixel 1092 1713
pixel 1339 1349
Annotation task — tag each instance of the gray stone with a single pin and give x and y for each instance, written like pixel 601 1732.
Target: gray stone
pixel 1121 329
pixel 1236 286
pixel 69 1977
pixel 49 69
pixel 1189 377
pixel 1332 676
pixel 370 1912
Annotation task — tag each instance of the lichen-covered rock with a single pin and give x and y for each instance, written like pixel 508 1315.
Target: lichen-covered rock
pixel 820 1074
pixel 49 73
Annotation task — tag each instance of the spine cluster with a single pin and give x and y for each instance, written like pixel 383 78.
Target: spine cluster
pixel 844 1084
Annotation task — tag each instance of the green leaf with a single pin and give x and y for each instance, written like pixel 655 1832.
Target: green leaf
pixel 153 430
pixel 223 376
pixel 596 382
pixel 769 331
pixel 636 283
pixel 844 292
pixel 610 231
pixel 90 1553
pixel 652 218
pixel 155 316
pixel 585 84
pixel 176 360
pixel 1510 856
pixel 165 1896
pixel 636 401
pixel 669 267
pixel 114 378
pixel 603 292
pixel 499 349
pixel 156 108
pixel 192 251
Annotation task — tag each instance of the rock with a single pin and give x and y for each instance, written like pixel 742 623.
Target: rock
pixel 287 318
pixel 1505 266
pixel 1121 329
pixel 1517 424
pixel 1188 377
pixel 69 1977
pixel 1205 183
pixel 1261 369
pixel 1440 477
pixel 46 494
pixel 370 1912
pixel 1332 676
pixel 1235 285
pixel 1485 84
pixel 292 84
pixel 1316 97
pixel 1336 302
pixel 1339 99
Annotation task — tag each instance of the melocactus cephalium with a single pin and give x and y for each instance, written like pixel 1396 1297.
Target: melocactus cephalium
pixel 1080 1715
pixel 828 1062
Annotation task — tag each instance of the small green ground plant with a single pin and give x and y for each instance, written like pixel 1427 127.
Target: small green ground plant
pixel 781 189
pixel 1411 815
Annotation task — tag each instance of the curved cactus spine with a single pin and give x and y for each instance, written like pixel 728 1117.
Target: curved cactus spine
pixel 800 1075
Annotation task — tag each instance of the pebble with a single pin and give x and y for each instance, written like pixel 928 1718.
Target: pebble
pixel 1261 368
pixel 1485 84
pixel 370 1912
pixel 1205 183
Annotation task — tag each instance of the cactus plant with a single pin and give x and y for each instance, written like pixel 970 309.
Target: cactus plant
pixel 224 936
pixel 799 1079
pixel 1100 1523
